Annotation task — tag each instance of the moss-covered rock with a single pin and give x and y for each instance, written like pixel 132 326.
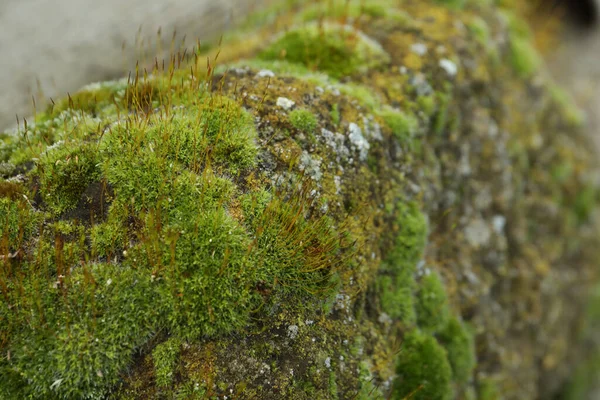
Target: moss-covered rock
pixel 366 205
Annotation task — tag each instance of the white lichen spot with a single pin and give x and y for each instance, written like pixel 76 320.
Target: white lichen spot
pixel 337 181
pixel 311 166
pixel 358 141
pixel 265 73
pixel 448 66
pixel 328 362
pixel 285 103
pixel 292 331
pixel 419 49
pixel 384 319
pixel 498 222
pixel 477 233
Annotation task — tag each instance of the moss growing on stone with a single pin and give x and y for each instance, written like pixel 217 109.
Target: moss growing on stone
pixel 304 121
pixel 423 369
pixel 65 172
pixel 458 341
pixel 17 223
pixel 201 212
pixel 165 357
pixel 432 304
pixel 335 49
pixel 403 125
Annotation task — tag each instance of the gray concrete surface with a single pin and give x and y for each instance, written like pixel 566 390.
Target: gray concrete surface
pixel 65 44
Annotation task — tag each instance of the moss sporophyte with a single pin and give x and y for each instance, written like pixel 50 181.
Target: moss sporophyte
pixel 319 213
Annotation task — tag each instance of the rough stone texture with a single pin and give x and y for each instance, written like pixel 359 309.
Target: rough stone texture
pixel 422 225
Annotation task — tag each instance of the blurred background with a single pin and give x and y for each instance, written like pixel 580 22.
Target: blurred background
pixel 49 48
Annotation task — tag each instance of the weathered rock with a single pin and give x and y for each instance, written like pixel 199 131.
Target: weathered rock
pixel 390 210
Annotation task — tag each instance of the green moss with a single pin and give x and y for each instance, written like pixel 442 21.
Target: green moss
pixel 523 57
pixel 411 236
pixel 396 294
pixel 65 172
pixel 487 389
pixel 442 116
pixel 218 133
pixel 432 304
pixel 333 387
pixel 338 50
pixel 92 98
pixel 335 114
pixel 481 31
pixel 459 343
pixel 427 104
pixel 82 355
pixel 396 283
pixel 165 357
pixel 585 202
pixel 17 223
pixel 304 121
pixel 403 125
pixel 107 239
pixel 423 370
pixel 140 161
pixel 297 256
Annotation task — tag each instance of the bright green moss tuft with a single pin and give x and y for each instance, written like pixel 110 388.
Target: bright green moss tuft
pixel 459 343
pixel 403 125
pixel 335 114
pixel 338 50
pixel 81 355
pixel 65 173
pixel 396 294
pixel 396 282
pixel 487 389
pixel 164 357
pixel 297 256
pixel 423 370
pixel 432 304
pixel 219 133
pixel 17 223
pixel 304 121
pixel 411 236
pixel 523 57
pixel 107 239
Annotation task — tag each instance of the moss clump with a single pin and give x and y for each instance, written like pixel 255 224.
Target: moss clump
pixel 65 173
pixel 523 57
pixel 165 357
pixel 403 125
pixel 396 283
pixel 17 223
pixel 432 304
pixel 458 341
pixel 304 121
pixel 488 389
pixel 335 49
pixel 297 257
pixel 423 369
pixel 81 356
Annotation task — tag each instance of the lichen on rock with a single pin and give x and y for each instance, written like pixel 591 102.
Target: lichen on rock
pixel 320 213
